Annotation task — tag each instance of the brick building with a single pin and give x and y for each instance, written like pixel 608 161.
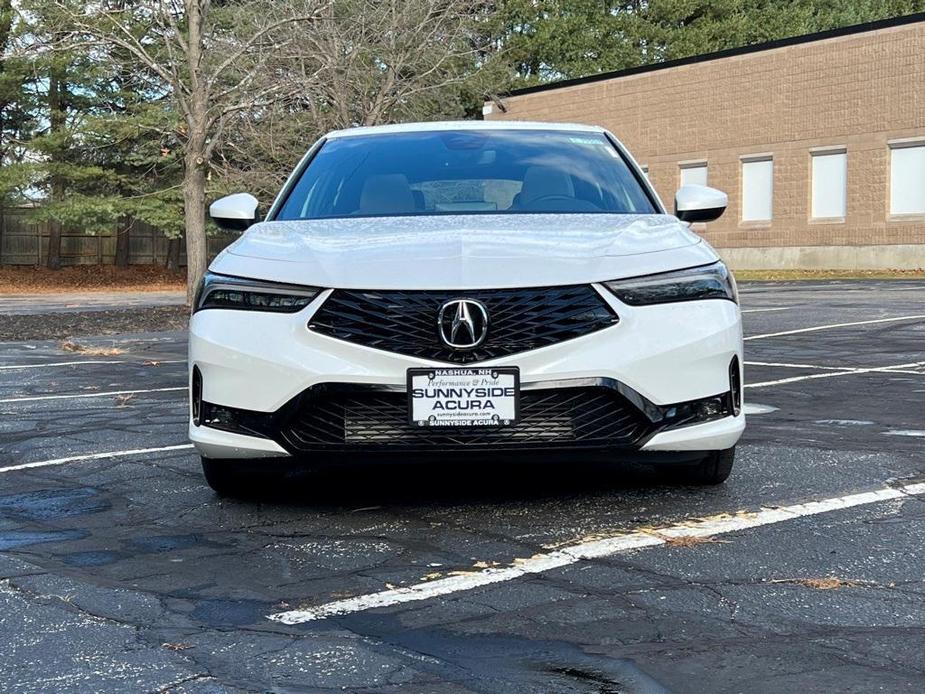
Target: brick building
pixel 819 141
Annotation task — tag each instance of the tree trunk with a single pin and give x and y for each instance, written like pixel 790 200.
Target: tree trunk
pixel 194 214
pixel 196 156
pixel 53 258
pixel 122 243
pixel 56 124
pixel 172 263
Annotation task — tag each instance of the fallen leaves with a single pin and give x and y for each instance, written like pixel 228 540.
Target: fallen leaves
pixel 28 279
pixel 71 346
pixel 342 594
pixel 690 540
pixel 826 583
pixel 150 362
pixel 124 399
pixel 485 564
pixel 684 540
pixel 176 646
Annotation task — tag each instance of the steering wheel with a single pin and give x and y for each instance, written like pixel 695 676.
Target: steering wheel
pixel 550 197
pixel 554 202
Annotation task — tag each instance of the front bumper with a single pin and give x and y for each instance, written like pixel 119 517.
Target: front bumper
pixel 667 354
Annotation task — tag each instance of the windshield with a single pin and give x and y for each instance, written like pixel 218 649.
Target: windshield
pixel 466 172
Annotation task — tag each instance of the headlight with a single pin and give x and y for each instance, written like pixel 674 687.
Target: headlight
pixel 696 283
pixel 221 291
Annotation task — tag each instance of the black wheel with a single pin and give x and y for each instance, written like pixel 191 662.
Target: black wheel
pixel 714 469
pixel 227 477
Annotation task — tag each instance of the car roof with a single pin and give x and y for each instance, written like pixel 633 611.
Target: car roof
pixel 438 126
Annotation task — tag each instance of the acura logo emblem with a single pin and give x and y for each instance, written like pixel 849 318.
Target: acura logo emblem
pixel 462 323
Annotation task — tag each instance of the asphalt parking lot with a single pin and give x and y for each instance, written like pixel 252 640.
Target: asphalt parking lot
pixel 121 571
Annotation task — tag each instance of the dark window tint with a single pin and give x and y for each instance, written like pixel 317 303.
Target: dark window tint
pixel 466 172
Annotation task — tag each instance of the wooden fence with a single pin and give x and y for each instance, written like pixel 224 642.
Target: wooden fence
pixel 24 242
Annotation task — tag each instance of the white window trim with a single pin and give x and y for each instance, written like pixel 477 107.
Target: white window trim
pixel 828 149
pixel 754 159
pixel 758 156
pixel 825 151
pixel 693 164
pixel 902 143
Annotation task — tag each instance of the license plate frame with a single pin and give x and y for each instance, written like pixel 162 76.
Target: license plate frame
pixel 503 375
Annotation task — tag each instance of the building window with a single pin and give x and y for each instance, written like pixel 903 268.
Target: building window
pixel 907 179
pixel 830 184
pixel 757 189
pixel 694 173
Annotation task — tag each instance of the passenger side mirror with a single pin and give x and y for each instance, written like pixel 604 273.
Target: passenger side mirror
pixel 695 203
pixel 234 212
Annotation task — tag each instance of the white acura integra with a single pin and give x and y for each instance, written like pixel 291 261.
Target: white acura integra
pixel 467 289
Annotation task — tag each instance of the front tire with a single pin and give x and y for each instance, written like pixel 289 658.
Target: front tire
pixel 227 477
pixel 712 470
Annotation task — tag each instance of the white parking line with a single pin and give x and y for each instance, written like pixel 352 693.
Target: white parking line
pixel 796 366
pixel 35 398
pixel 592 549
pixel 831 374
pixel 765 310
pixel 59 363
pixel 841 369
pixel 81 363
pixel 834 325
pixel 94 456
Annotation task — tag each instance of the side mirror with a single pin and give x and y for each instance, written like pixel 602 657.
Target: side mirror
pixel 694 203
pixel 234 212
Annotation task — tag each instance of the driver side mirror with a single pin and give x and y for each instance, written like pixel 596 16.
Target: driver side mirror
pixel 234 212
pixel 695 203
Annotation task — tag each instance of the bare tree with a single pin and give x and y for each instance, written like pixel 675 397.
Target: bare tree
pixel 253 80
pixel 390 60
pixel 366 62
pixel 217 59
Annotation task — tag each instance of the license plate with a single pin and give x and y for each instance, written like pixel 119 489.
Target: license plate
pixel 462 397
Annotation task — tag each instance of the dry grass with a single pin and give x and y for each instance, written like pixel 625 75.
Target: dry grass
pixel 803 275
pixel 827 583
pixel 87 351
pixel 89 278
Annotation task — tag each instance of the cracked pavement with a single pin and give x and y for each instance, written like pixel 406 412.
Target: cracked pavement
pixel 129 574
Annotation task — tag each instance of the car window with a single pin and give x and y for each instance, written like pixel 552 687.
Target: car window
pixel 466 172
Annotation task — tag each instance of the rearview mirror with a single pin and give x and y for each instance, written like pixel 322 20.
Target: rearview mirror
pixel 695 203
pixel 234 212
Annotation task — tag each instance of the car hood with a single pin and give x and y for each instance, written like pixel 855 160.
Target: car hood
pixel 463 251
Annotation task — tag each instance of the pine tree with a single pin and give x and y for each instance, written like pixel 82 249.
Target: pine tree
pixel 557 39
pixel 101 149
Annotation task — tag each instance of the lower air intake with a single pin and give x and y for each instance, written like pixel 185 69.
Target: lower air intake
pixel 588 417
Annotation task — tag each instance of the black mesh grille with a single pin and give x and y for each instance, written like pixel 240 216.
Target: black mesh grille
pixel 406 321
pixel 593 417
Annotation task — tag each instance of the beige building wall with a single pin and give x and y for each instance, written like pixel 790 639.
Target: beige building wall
pixel 860 92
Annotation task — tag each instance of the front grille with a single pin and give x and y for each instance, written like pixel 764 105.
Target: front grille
pixel 406 321
pixel 587 417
